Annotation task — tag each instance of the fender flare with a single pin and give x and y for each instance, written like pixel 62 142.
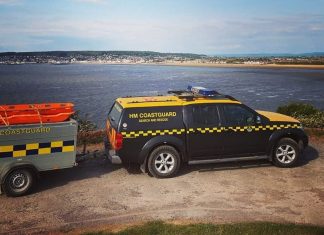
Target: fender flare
pixel 177 143
pixel 295 134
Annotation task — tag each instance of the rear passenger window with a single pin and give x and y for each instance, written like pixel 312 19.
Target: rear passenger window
pixel 237 115
pixel 115 114
pixel 205 115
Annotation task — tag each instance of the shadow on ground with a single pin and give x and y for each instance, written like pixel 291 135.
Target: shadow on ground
pixel 94 167
pixel 309 154
pixel 98 166
pixel 224 166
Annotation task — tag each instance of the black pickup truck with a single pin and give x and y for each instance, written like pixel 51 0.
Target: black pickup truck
pixel 198 126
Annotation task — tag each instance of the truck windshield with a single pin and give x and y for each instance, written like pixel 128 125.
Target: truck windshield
pixel 115 114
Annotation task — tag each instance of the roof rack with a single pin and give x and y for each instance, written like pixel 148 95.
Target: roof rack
pixel 151 101
pixel 196 92
pixel 183 94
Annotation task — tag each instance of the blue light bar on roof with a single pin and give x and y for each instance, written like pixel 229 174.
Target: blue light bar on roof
pixel 202 91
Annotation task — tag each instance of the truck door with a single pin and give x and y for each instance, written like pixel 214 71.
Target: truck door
pixel 204 139
pixel 239 137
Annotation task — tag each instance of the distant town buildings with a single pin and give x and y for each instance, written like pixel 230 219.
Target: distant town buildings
pixel 133 57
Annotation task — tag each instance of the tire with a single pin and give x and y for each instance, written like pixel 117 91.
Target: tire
pixel 164 162
pixel 286 153
pixel 18 182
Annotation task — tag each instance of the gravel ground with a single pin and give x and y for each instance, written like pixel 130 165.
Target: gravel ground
pixel 97 193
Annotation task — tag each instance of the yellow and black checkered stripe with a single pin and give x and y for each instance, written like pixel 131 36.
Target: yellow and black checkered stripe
pixel 23 150
pixel 204 130
pixel 246 128
pixel 134 134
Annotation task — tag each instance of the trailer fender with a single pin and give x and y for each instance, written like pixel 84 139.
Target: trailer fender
pixel 17 165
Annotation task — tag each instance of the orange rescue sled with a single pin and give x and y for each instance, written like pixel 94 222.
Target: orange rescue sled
pixel 35 113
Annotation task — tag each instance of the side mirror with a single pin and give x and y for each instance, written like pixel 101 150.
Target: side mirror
pixel 258 120
pixel 249 120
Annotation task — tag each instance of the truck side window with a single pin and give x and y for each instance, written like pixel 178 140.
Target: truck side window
pixel 115 114
pixel 237 115
pixel 206 115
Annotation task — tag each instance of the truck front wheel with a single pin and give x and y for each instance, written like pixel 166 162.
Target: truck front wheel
pixel 286 153
pixel 18 182
pixel 164 162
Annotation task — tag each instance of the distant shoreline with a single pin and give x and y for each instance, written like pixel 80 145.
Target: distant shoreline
pixel 189 64
pixel 301 66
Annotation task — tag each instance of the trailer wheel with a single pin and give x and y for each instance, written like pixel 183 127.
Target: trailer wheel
pixel 18 182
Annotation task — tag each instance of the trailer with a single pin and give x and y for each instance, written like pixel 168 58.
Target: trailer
pixel 27 149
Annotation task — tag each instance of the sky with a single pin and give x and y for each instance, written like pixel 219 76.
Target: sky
pixel 195 26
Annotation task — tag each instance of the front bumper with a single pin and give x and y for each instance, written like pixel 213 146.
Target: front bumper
pixel 111 153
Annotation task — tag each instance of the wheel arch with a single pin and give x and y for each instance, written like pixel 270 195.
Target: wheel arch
pixel 278 135
pixel 9 168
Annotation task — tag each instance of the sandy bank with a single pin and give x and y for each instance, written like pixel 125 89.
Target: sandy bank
pixel 192 64
pixel 278 66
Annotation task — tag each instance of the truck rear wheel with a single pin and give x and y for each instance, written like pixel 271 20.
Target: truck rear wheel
pixel 18 182
pixel 286 153
pixel 164 162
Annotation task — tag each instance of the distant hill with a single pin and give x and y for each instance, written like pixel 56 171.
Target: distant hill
pixel 101 53
pixel 313 54
pixel 156 54
pixel 260 55
pixel 144 57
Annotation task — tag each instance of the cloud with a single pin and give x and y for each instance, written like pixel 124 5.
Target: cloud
pixel 20 44
pixel 90 1
pixel 317 27
pixel 217 35
pixel 9 2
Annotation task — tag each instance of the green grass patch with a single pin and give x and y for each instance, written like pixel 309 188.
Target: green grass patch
pixel 162 228
pixel 307 114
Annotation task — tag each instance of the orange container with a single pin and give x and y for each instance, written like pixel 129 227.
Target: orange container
pixel 35 113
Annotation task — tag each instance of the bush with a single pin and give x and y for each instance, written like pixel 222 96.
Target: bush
pixel 91 137
pixel 86 131
pixel 297 109
pixel 313 121
pixel 84 124
pixel 307 114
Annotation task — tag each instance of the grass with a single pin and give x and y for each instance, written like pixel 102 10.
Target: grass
pixel 162 228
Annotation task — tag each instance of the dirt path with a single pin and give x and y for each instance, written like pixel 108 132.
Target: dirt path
pixel 97 193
